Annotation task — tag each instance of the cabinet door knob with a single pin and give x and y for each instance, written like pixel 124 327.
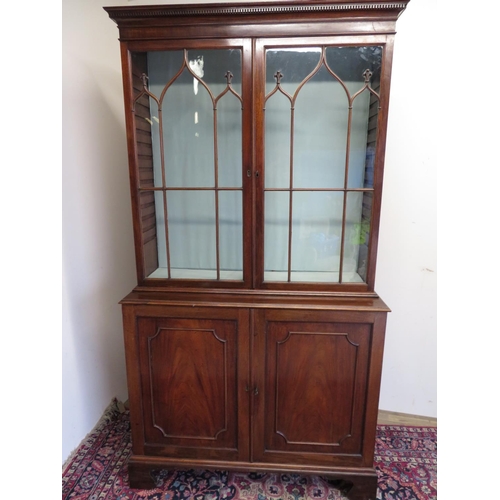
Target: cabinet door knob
pixel 256 391
pixel 247 388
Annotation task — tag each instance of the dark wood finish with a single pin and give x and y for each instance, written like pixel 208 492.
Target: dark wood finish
pixel 188 370
pixel 133 158
pixel 248 375
pixel 149 236
pixel 375 98
pixel 385 83
pixel 317 372
pixel 190 400
pixel 313 386
pixel 256 300
pixel 380 39
pixel 274 19
pixel 133 379
pixel 356 483
pixel 143 193
pixel 255 384
pixel 282 24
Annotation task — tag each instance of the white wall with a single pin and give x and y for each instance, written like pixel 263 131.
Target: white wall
pixel 98 261
pixel 406 269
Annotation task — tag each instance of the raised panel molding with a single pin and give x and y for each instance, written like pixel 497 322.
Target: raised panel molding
pixel 164 330
pixel 279 344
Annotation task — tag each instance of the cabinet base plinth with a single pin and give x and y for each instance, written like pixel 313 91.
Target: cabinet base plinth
pixel 354 483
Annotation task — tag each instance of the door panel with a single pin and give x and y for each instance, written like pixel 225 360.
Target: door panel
pixel 314 377
pixel 190 385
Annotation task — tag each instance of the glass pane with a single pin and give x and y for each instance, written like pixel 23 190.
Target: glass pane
pixel 160 230
pixel 316 236
pixel 217 68
pixel 277 146
pixel 148 139
pixel 161 67
pixel 357 232
pixel 294 64
pixel 188 116
pixel 231 235
pixel 213 64
pixel 177 149
pixel 187 121
pixel 276 236
pixel 350 64
pixel 188 134
pixel 153 233
pixel 359 141
pixel 229 140
pixel 146 123
pixel 320 134
pixel 148 164
pixel 371 143
pixel 191 221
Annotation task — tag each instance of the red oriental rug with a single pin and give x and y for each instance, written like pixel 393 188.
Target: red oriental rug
pixel 405 459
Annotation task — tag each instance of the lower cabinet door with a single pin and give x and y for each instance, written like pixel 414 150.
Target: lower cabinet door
pixel 312 378
pixel 193 366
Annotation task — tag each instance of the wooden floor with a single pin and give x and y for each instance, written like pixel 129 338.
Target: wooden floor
pixel 394 418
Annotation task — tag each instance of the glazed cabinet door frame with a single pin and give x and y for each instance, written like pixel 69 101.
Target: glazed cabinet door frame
pixel 261 45
pixel 127 48
pixel 253 165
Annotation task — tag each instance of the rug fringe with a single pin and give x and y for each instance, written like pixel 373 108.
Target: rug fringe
pixel 114 408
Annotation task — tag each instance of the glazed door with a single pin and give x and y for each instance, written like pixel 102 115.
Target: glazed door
pixel 318 107
pixel 311 378
pixel 193 371
pixel 190 117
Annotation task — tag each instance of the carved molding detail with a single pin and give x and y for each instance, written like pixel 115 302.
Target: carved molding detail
pixel 260 9
pixel 332 334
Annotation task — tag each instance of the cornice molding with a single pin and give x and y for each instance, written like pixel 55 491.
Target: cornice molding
pixel 239 9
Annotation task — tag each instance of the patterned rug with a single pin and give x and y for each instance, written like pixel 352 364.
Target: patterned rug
pixel 405 459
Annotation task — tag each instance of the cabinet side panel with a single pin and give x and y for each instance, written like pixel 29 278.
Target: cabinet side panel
pixel 133 378
pixel 128 94
pixel 374 380
pixel 142 120
pixel 378 171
